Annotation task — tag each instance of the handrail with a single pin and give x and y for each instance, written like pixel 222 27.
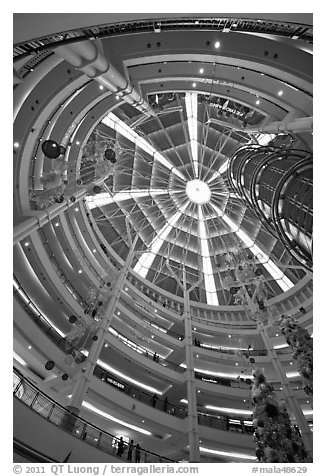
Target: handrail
pixel 78 427
pixel 32 455
pixel 42 322
pixel 274 27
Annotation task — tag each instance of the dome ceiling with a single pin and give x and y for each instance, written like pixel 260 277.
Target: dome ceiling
pixel 170 184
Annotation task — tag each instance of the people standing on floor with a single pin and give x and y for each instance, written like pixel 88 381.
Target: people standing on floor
pixel 137 453
pixel 130 450
pixel 120 447
pixel 154 400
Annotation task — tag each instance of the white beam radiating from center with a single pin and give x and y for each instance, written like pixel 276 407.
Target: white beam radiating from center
pixel 106 198
pixel 119 126
pixel 191 108
pixel 264 259
pixel 146 259
pixel 210 288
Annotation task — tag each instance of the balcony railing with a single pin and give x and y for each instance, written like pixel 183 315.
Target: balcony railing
pixel 40 403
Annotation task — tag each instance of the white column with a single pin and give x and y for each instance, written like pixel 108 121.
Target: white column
pixel 194 454
pixel 86 372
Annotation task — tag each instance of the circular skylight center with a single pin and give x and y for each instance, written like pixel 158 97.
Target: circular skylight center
pixel 198 191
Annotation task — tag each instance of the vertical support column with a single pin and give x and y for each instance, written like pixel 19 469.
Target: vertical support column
pixel 290 397
pixel 88 369
pixel 190 378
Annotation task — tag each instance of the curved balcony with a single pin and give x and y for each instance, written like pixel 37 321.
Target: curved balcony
pixel 40 403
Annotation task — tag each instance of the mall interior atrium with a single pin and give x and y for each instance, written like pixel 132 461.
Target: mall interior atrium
pixel 162 212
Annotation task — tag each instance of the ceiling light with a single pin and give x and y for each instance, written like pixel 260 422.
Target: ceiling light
pixel 101 86
pixel 106 345
pixel 217 44
pixel 126 289
pixel 280 93
pixel 237 411
pixel 236 363
pixel 257 102
pixel 155 310
pixel 56 224
pixel 76 209
pixel 226 453
pixel 230 336
pixel 29 347
pixel 117 97
pixel 152 337
pixel 26 243
pixel 94 251
pixel 201 70
pixel 276 335
pixel 194 85
pixel 291 363
pixel 195 328
pixel 198 191
pixel 80 271
pixel 77 142
pixel 93 409
pixel 16 145
pixel 234 25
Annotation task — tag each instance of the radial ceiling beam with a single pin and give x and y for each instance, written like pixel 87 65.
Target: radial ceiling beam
pixel 119 126
pixel 146 260
pixel 192 109
pixel 263 258
pixel 106 198
pixel 211 295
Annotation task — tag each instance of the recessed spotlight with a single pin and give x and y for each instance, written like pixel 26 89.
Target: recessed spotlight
pixel 276 335
pixel 94 251
pixel 106 345
pixel 196 22
pixel 155 310
pixel 80 271
pixel 197 355
pixel 16 145
pixel 230 336
pixel 29 347
pixel 143 421
pixel 257 102
pixel 307 401
pixel 195 328
pixel 281 388
pixel 217 44
pixel 76 209
pixel 291 363
pixel 118 313
pixel 234 25
pixel 26 243
pixel 194 85
pixel 236 363
pixel 126 289
pixel 152 337
pixel 201 70
pixel 56 224
pixel 77 142
pixel 280 93
pixel 198 391
pixel 117 97
pixel 101 86
pixel 244 400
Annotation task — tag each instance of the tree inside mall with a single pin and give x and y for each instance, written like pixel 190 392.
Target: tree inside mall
pixel 277 441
